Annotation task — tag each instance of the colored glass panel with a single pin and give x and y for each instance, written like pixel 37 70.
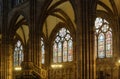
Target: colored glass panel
pixel 103 33
pixel 98 22
pixel 67 37
pixel 20 57
pixel 15 58
pixel 65 51
pixel 62 51
pixel 18 54
pixel 70 50
pixel 43 55
pixel 62 32
pixel 101 48
pixel 55 53
pixel 105 28
pixel 59 52
pixel 108 44
pixel 42 52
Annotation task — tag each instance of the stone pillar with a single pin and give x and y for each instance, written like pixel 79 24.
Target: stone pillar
pixel 6 61
pixel 10 61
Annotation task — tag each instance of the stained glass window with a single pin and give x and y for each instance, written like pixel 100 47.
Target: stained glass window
pixel 101 43
pixel 70 50
pixel 63 47
pixel 65 51
pixel 108 44
pixel 18 54
pixel 55 53
pixel 42 52
pixel 103 37
pixel 59 52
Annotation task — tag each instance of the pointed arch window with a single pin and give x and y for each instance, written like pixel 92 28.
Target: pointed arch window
pixel 103 37
pixel 63 47
pixel 18 54
pixel 42 51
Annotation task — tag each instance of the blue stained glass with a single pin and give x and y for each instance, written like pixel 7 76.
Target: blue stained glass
pixel 101 49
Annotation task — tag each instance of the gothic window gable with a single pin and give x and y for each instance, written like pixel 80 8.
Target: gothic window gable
pixel 63 47
pixel 18 54
pixel 103 34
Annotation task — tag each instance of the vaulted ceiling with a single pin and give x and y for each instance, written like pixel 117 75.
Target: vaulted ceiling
pixel 59 11
pixel 117 3
pixel 108 6
pixel 23 30
pixel 104 5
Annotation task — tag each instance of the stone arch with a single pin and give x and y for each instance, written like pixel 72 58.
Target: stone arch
pixel 57 13
pixel 19 20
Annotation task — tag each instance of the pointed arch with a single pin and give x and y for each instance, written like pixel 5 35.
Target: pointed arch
pixel 103 38
pixel 101 47
pixel 62 46
pixel 109 44
pixel 55 13
pixel 19 24
pixel 18 55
